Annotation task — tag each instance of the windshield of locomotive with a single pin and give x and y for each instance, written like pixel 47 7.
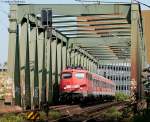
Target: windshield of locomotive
pixel 79 75
pixel 66 75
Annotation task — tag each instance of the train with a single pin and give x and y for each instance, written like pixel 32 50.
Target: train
pixel 80 85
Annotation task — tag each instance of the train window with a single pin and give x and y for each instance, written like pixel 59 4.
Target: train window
pixel 79 75
pixel 66 75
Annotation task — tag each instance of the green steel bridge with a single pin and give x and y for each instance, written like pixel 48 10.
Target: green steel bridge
pixel 74 34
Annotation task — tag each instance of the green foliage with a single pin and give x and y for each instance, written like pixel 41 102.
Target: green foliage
pixel 42 115
pixel 127 112
pixel 51 115
pixel 121 96
pixel 112 114
pixel 127 115
pixel 12 118
pixel 54 114
pixel 145 117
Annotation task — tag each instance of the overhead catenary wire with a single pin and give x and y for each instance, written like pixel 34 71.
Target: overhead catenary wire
pixel 142 3
pixel 13 1
pixel 99 1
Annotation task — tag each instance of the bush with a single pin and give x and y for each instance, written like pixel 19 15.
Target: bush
pixel 121 96
pixel 51 115
pixel 112 114
pixel 12 118
pixel 54 114
pixel 145 117
pixel 42 115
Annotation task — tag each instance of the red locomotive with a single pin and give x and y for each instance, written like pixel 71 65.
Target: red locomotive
pixel 81 85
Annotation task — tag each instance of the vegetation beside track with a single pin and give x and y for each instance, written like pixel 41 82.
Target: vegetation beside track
pixel 22 117
pixel 121 96
pixel 111 114
pixel 12 118
pixel 51 115
pixel 126 115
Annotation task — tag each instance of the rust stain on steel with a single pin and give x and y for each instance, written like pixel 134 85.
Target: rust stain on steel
pixel 104 22
pixel 133 67
pixel 107 26
pixel 146 22
pixel 108 16
pixel 134 49
pixel 134 59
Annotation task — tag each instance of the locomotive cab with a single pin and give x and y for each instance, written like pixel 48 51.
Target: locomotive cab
pixel 73 84
pixel 73 81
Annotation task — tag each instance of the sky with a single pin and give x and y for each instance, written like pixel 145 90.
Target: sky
pixel 4 23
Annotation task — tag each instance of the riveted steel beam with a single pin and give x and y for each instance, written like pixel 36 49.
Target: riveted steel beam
pixel 50 88
pixel 84 53
pixel 99 18
pixel 36 74
pixel 98 41
pixel 136 58
pixel 55 86
pixel 17 70
pixel 27 70
pixel 92 25
pixel 32 47
pixel 74 9
pixel 93 29
pixel 44 71
pixel 116 31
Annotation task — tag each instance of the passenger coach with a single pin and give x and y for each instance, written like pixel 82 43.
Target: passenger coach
pixel 78 85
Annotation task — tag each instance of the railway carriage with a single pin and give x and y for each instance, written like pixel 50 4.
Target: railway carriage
pixel 78 85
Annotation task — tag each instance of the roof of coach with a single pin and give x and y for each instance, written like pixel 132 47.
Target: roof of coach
pixel 101 77
pixel 80 69
pixel 74 70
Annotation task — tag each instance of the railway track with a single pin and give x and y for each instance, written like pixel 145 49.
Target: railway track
pixel 95 115
pixel 75 113
pixel 88 113
pixel 63 107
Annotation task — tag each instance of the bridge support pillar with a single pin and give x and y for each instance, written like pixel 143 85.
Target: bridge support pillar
pixel 136 52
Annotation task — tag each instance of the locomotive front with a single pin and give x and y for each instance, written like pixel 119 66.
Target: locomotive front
pixel 73 85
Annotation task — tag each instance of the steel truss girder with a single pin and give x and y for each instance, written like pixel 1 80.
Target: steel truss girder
pixel 98 41
pixel 98 19
pixel 83 52
pixel 72 9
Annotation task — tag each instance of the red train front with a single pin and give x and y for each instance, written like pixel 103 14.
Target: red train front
pixel 78 85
